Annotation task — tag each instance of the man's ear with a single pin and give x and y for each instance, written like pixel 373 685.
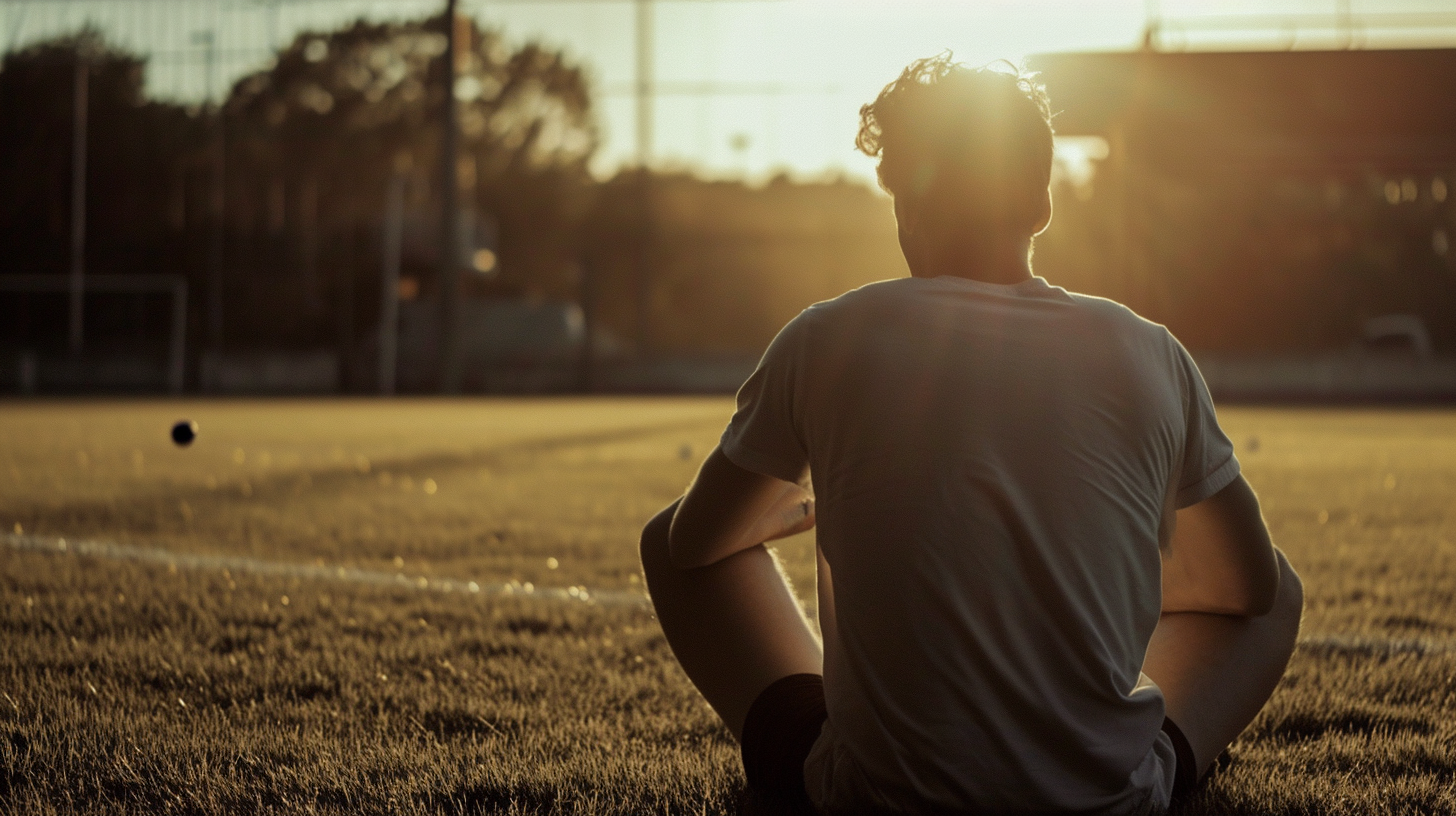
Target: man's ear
pixel 1044 206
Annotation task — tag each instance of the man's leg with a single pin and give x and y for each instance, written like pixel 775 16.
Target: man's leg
pixel 735 626
pixel 1217 671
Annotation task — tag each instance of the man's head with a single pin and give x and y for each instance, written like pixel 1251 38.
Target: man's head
pixel 966 152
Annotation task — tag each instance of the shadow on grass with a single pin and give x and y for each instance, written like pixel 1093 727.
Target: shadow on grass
pixel 1307 726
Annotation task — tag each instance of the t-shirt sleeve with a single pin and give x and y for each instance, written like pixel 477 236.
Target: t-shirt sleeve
pixel 764 435
pixel 1209 464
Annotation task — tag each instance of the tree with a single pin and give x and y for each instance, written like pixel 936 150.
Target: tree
pixel 340 112
pixel 137 206
pixel 135 147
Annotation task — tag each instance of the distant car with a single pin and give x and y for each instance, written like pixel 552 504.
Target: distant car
pixel 1396 334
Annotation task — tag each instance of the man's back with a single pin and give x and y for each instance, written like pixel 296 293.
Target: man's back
pixel 992 466
pixel 997 464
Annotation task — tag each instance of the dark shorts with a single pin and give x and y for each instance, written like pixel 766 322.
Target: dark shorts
pixel 781 727
pixel 785 720
pixel 1185 773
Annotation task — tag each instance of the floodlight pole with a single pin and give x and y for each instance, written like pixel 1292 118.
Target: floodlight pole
pixel 644 87
pixel 79 124
pixel 644 81
pixel 449 268
pixel 218 202
pixel 644 91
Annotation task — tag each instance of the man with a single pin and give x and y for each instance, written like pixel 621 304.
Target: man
pixel 1043 584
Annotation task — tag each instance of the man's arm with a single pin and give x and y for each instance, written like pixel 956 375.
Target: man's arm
pixel 728 509
pixel 1220 559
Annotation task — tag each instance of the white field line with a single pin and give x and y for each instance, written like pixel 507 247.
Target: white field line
pixel 1352 645
pixel 105 549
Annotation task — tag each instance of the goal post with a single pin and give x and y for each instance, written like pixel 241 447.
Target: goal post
pixel 174 285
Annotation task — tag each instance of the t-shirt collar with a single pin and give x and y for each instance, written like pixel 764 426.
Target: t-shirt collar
pixel 1032 286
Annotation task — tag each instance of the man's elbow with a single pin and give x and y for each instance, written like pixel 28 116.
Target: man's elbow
pixel 1261 591
pixel 1258 604
pixel 683 558
pixel 690 549
pixel 668 543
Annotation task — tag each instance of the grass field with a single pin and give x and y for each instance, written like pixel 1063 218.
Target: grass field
pixel 154 686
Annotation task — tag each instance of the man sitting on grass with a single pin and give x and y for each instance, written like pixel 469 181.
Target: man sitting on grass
pixel 1044 585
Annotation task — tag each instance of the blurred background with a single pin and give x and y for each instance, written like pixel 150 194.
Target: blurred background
pixel 527 196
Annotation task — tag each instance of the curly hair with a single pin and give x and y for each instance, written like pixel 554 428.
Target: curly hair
pixel 963 140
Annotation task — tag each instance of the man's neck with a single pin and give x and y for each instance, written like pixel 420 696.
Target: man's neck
pixel 1006 264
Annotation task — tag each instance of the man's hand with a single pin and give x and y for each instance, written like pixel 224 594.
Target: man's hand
pixel 728 509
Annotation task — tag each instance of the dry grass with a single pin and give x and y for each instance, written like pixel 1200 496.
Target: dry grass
pixel 134 688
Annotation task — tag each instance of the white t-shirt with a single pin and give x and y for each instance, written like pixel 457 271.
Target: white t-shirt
pixel 992 467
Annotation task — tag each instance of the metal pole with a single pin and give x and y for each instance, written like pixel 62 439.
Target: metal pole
pixel 389 284
pixel 588 296
pixel 644 93
pixel 177 364
pixel 449 217
pixel 79 124
pixel 642 259
pixel 218 203
pixel 644 84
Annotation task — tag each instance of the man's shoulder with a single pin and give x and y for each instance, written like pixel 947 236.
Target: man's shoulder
pixel 868 298
pixel 1108 307
pixel 1115 313
pixel 868 293
pixel 874 300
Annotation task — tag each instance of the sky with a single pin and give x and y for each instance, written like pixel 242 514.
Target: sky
pixel 747 88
